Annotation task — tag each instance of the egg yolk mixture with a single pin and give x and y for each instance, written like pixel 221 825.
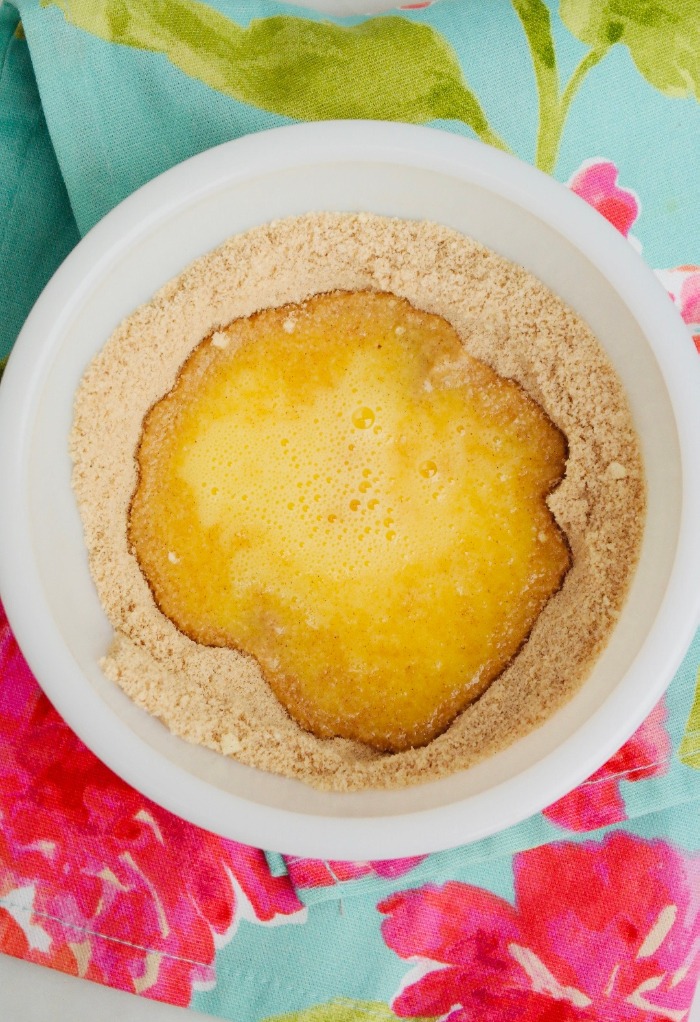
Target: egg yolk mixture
pixel 338 490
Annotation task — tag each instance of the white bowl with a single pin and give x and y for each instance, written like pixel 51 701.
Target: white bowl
pixel 389 169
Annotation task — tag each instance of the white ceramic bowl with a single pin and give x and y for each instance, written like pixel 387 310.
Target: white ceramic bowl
pixel 389 169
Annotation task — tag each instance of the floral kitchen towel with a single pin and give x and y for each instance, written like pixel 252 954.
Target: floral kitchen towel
pixel 588 911
pixel 98 881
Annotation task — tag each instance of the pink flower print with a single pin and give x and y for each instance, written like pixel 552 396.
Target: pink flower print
pixel 598 802
pixel 596 183
pixel 98 881
pixel 683 286
pixel 690 294
pixel 607 930
pixel 325 873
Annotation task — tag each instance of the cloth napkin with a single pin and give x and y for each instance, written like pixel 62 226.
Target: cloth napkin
pixel 588 911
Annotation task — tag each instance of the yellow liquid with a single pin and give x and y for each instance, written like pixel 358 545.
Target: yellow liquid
pixel 338 490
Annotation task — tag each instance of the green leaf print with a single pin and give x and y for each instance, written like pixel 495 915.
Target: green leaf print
pixel 663 37
pixel 385 68
pixel 343 1010
pixel 536 22
pixel 689 751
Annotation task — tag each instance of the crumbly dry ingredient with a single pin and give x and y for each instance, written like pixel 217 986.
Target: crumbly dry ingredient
pixel 353 500
pixel 504 316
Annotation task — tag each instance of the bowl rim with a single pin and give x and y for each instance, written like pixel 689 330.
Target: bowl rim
pixel 110 738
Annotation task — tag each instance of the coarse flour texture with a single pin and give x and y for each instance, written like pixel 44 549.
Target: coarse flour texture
pixel 505 316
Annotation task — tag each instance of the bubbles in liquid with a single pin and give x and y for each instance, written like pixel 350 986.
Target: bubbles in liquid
pixel 286 546
pixel 363 418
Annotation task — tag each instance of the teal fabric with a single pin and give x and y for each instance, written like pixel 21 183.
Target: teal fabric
pixel 339 952
pixel 37 227
pixel 96 98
